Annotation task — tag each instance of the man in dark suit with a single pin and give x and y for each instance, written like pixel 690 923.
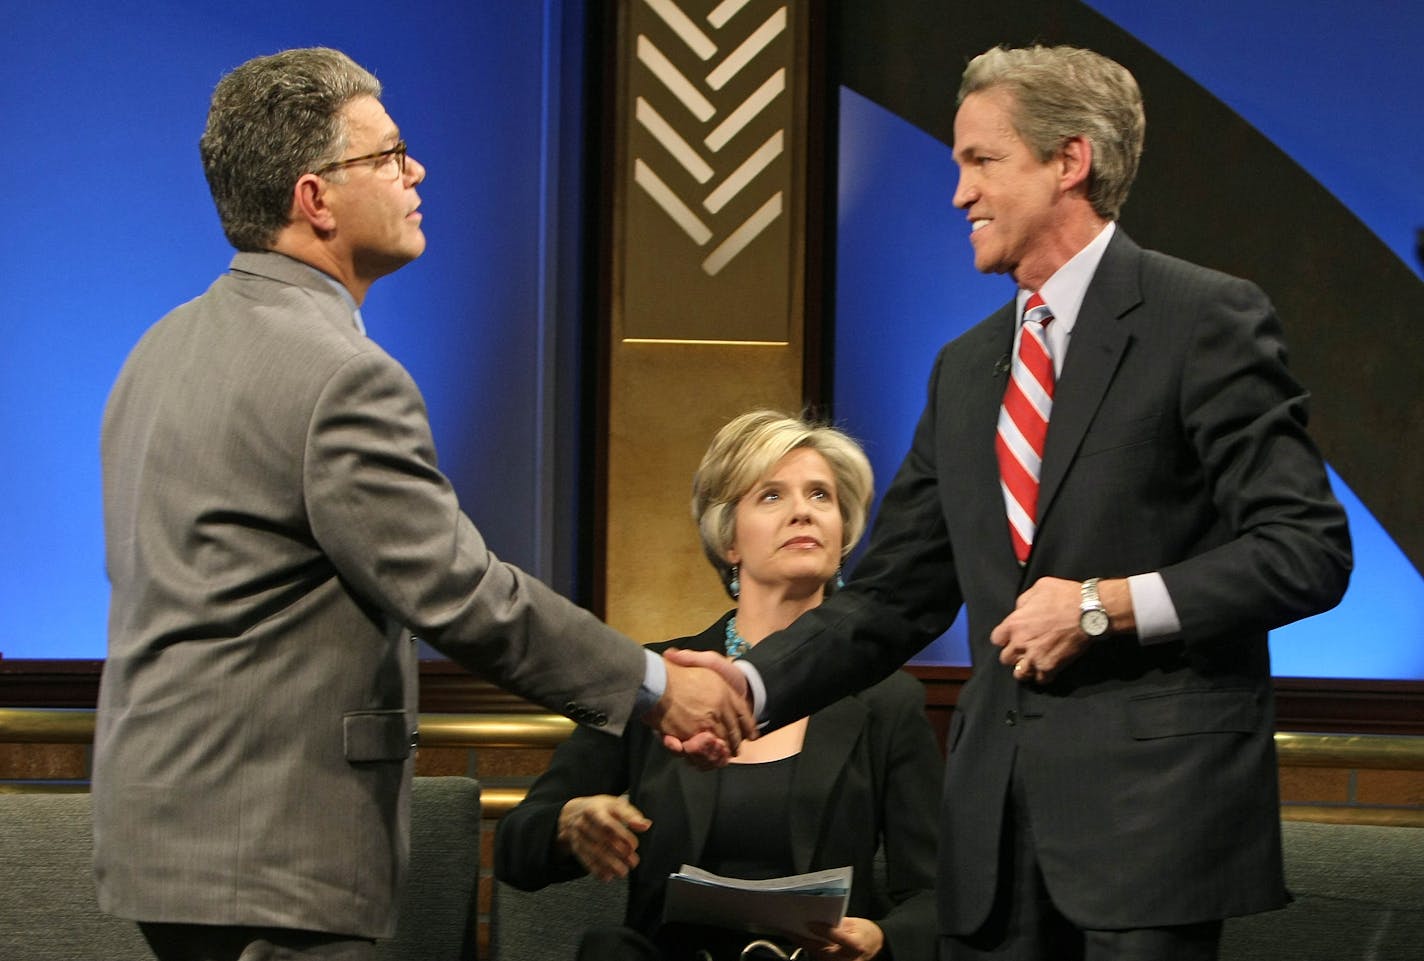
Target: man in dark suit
pixel 1111 787
pixel 276 527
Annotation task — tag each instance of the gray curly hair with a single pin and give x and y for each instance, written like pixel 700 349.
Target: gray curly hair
pixel 273 119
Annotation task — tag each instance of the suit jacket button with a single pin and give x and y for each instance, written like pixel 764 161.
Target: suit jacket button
pixel 414 739
pixel 1011 717
pixel 599 719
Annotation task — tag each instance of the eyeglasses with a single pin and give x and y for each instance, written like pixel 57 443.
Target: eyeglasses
pixel 380 162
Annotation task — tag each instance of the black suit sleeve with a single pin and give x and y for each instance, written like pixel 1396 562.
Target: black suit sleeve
pixel 1287 551
pixel 588 763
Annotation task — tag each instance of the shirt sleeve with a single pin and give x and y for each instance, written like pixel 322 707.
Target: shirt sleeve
pixel 1152 608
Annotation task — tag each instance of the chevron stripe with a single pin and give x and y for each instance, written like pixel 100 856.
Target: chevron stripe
pixel 743 235
pixel 682 151
pixel 664 197
pixel 725 11
pixel 746 173
pixel 672 78
pixel 709 73
pixel 747 111
pixel 687 31
pixel 760 38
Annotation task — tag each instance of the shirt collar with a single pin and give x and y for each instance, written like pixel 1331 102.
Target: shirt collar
pixel 1065 290
pixel 340 288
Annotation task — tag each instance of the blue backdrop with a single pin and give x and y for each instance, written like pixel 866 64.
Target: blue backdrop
pixel 1335 88
pixel 108 224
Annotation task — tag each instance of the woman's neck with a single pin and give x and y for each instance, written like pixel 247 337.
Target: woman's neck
pixel 760 613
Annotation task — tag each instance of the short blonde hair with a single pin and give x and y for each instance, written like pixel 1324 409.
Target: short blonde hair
pixel 746 450
pixel 1065 92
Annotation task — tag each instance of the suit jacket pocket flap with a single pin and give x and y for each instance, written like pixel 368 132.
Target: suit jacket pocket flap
pixel 376 736
pixel 1193 712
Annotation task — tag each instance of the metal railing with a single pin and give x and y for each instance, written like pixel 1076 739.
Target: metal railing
pixel 76 726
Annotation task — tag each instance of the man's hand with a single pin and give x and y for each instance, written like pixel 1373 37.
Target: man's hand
pixel 599 830
pixel 705 712
pixel 1042 636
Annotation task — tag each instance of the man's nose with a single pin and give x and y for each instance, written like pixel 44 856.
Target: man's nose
pixel 964 193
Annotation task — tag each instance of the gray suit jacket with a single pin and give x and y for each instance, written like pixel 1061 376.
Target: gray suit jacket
pixel 276 528
pixel 1177 444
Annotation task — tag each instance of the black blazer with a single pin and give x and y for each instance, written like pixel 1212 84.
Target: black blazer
pixel 868 774
pixel 1177 444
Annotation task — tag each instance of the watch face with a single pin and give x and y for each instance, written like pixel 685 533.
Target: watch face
pixel 1094 622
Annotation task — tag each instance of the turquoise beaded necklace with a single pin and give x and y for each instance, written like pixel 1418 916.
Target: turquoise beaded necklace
pixel 736 645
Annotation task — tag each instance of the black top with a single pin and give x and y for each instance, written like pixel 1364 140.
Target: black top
pixel 750 832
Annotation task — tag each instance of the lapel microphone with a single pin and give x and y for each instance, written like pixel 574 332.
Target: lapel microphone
pixel 1001 366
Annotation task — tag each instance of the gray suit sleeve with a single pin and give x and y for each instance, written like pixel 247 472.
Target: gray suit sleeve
pixel 390 522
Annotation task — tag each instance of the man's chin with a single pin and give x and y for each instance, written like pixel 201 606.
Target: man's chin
pixel 414 249
pixel 986 258
pixel 989 265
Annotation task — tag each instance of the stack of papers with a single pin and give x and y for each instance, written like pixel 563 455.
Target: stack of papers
pixel 791 907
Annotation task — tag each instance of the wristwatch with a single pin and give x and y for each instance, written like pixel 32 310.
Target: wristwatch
pixel 1092 616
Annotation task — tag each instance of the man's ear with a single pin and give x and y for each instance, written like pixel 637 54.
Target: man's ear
pixel 309 203
pixel 1076 160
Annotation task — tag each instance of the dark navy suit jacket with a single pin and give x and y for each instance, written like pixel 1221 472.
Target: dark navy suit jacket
pixel 1177 444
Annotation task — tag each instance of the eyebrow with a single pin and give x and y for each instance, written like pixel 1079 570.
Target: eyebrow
pixel 389 139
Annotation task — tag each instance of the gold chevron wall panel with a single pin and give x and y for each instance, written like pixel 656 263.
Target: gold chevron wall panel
pixel 707 277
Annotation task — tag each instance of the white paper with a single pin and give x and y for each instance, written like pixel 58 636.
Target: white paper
pixel 786 906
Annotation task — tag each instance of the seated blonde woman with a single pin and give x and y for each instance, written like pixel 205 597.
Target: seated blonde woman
pixel 779 503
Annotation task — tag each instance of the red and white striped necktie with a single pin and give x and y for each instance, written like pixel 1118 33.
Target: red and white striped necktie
pixel 1023 425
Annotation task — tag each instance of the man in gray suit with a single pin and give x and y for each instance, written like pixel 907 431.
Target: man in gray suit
pixel 1111 786
pixel 276 528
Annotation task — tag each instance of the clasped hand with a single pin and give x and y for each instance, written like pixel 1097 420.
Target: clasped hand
pixel 1041 636
pixel 705 712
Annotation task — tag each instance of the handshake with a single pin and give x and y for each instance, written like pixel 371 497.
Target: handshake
pixel 706 709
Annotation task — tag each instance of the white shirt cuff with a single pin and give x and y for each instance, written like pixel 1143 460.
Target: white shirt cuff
pixel 1152 608
pixel 756 687
pixel 650 692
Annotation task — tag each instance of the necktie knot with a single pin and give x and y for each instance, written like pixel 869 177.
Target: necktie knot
pixel 1036 311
